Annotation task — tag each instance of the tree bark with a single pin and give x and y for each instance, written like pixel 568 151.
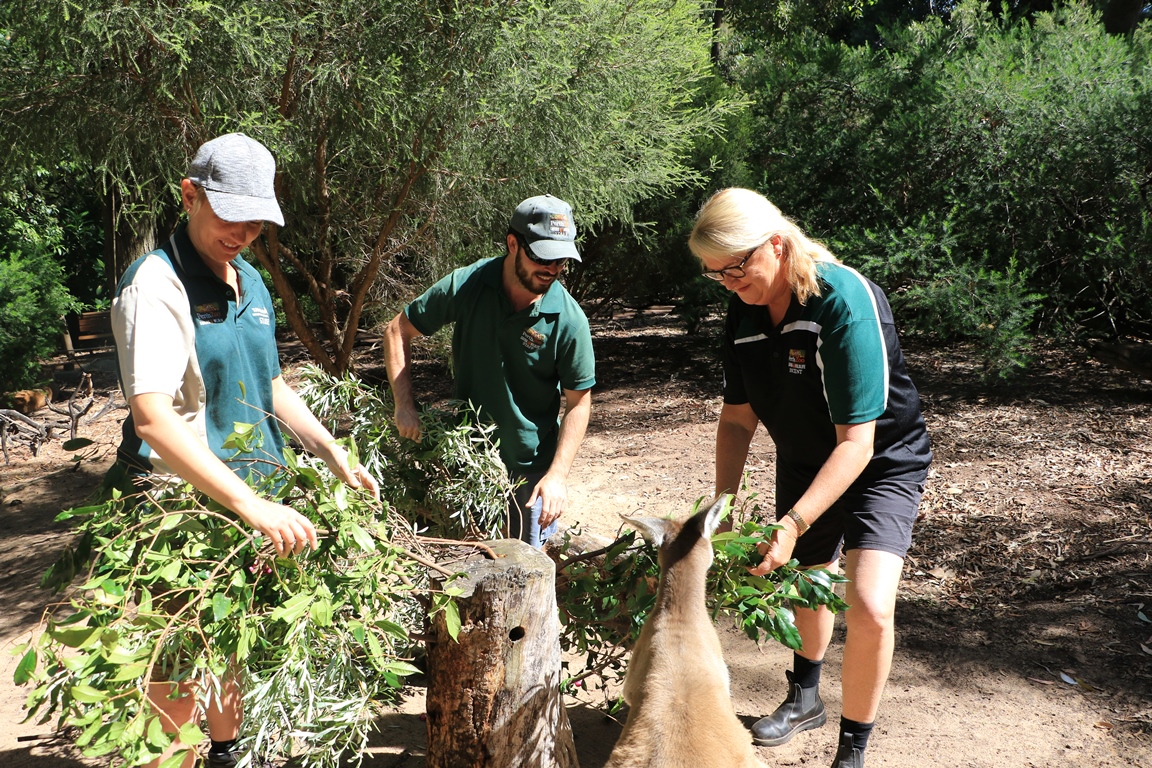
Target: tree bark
pixel 493 694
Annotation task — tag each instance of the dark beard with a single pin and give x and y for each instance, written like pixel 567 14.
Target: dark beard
pixel 527 282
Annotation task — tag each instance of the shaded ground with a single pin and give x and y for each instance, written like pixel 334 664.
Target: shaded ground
pixel 1021 641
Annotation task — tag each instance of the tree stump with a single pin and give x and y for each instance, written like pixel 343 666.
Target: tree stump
pixel 494 693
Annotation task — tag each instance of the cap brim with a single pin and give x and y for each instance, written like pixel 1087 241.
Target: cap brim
pixel 244 207
pixel 554 249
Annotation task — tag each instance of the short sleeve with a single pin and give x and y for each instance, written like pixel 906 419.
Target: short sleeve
pixel 578 363
pixel 436 307
pixel 152 326
pixel 855 365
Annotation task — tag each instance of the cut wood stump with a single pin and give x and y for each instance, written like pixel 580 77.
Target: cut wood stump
pixel 493 695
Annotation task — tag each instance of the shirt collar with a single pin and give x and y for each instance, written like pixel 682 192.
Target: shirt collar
pixel 552 302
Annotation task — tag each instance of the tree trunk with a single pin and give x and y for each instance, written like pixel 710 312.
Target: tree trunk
pixel 493 694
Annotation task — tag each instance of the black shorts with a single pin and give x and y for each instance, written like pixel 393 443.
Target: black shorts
pixel 877 517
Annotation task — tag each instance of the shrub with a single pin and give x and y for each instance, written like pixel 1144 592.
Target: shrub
pixel 33 301
pixel 1001 156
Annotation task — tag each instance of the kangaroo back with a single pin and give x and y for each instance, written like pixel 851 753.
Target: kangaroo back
pixel 680 709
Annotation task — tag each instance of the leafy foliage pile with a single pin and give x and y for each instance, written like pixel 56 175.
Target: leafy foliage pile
pixel 177 589
pixel 323 639
pixel 452 482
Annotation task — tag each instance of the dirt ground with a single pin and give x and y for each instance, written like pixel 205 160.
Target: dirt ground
pixel 1023 632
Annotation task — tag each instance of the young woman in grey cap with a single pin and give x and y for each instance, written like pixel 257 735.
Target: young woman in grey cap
pixel 195 338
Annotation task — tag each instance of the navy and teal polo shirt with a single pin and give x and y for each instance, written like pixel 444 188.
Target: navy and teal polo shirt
pixel 834 360
pixel 511 365
pixel 180 330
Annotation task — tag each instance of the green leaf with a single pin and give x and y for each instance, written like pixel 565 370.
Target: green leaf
pixel 246 639
pixel 25 668
pixel 362 538
pixel 77 444
pixel 191 734
pixel 87 694
pixel 156 737
pixel 75 637
pixel 321 612
pixel 177 758
pixel 393 629
pixel 221 606
pixel 125 672
pixel 452 619
pixel 293 609
pixel 376 652
pixel 402 668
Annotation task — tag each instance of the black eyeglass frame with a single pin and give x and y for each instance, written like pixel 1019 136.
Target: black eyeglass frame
pixel 732 272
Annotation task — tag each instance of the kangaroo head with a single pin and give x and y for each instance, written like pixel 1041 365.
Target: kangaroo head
pixel 677 539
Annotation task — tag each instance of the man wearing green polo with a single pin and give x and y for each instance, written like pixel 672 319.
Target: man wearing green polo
pixel 518 342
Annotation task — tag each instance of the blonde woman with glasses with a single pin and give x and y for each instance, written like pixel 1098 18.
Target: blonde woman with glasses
pixel 810 351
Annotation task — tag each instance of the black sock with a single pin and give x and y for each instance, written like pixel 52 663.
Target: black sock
pixel 222 747
pixel 858 731
pixel 805 672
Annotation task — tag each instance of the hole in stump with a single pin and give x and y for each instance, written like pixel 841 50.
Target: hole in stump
pixel 516 634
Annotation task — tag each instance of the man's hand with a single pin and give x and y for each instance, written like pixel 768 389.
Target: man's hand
pixel 398 335
pixel 288 530
pixel 408 422
pixel 553 491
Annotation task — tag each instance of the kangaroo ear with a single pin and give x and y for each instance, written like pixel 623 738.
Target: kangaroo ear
pixel 710 518
pixel 653 529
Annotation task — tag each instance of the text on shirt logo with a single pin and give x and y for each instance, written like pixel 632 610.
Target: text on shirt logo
pixel 261 313
pixel 797 360
pixel 211 312
pixel 532 339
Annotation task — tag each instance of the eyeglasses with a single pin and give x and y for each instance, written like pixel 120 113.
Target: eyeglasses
pixel 732 272
pixel 536 259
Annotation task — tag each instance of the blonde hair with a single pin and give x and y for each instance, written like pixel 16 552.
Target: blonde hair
pixel 735 220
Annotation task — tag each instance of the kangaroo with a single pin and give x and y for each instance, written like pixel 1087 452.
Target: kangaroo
pixel 680 708
pixel 28 401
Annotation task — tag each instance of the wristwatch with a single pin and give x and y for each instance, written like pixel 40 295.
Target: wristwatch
pixel 801 525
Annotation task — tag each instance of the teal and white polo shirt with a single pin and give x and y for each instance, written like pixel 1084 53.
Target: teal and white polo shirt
pixel 834 360
pixel 181 331
pixel 511 365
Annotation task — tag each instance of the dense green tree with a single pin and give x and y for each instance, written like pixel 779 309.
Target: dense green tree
pixel 33 295
pixel 971 165
pixel 405 132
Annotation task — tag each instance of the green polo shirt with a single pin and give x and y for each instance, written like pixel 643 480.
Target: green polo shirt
pixel 511 365
pixel 835 360
pixel 182 331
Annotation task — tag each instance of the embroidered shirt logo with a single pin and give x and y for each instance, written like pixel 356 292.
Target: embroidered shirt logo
pixel 558 225
pixel 211 312
pixel 261 314
pixel 532 339
pixel 797 360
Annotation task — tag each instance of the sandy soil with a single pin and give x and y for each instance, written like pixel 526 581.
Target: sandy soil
pixel 1031 565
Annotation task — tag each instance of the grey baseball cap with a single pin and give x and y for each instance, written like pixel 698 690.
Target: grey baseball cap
pixel 238 174
pixel 546 223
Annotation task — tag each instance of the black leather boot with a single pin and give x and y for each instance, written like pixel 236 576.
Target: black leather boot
pixel 846 755
pixel 801 711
